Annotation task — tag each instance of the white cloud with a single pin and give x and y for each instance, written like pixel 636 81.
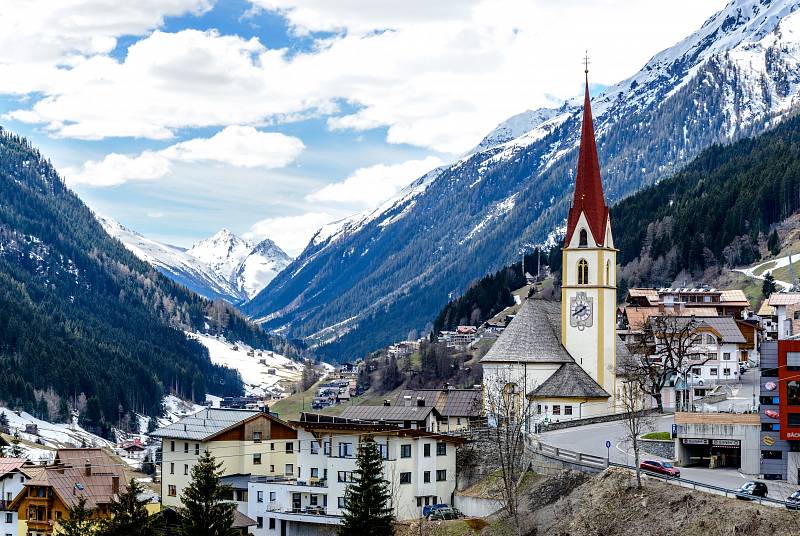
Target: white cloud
pixel 235 145
pixel 291 233
pixel 435 74
pixel 373 184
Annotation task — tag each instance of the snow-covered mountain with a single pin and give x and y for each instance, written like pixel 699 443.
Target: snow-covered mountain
pixel 367 280
pixel 223 266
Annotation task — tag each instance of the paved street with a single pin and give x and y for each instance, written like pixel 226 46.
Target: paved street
pixel 591 440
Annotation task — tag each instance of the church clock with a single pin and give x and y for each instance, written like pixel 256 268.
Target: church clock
pixel 581 311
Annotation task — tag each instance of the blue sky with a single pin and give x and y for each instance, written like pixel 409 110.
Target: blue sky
pixel 272 117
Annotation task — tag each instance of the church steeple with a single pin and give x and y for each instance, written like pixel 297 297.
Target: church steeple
pixel 588 197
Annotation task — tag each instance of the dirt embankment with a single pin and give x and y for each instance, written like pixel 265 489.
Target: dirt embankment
pixel 610 504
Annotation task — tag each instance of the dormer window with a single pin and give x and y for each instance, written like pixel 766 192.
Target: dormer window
pixel 583 239
pixel 583 272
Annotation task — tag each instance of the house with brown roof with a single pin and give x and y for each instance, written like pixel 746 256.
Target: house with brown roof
pixel 47 497
pixel 458 408
pixel 725 302
pixel 14 473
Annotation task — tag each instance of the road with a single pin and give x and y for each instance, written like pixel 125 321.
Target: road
pixel 591 439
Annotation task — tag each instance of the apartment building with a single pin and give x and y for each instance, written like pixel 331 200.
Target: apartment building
pixel 246 442
pixel 420 467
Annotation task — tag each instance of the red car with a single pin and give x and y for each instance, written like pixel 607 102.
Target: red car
pixel 662 468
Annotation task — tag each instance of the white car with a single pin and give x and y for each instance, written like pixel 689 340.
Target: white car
pixel 694 379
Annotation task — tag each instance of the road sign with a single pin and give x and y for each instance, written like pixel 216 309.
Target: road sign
pixel 674 431
pixel 608 444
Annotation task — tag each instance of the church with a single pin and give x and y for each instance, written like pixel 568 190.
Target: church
pixel 562 356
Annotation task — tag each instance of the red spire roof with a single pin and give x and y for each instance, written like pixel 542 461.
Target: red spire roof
pixel 588 184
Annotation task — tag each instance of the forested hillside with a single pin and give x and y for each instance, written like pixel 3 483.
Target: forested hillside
pixel 713 213
pixel 84 323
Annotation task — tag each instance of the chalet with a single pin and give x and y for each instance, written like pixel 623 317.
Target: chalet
pixel 787 311
pixel 459 408
pixel 725 302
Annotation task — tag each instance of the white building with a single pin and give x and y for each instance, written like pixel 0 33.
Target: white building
pixel 787 310
pixel 420 467
pixel 715 353
pixel 13 476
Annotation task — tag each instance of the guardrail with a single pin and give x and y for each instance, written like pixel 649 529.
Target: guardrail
pixel 568 456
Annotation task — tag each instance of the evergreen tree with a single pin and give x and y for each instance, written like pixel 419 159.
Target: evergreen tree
pixel 774 243
pixel 129 515
pixel 79 521
pixel 3 419
pixel 391 377
pixel 205 511
pixel 148 467
pixel 64 414
pixel 367 511
pixel 768 287
pixel 16 450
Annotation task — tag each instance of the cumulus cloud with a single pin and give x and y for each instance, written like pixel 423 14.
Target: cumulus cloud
pixel 291 233
pixel 237 146
pixel 435 74
pixel 373 184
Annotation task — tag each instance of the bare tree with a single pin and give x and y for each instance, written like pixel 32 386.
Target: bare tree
pixel 509 413
pixel 664 349
pixel 636 421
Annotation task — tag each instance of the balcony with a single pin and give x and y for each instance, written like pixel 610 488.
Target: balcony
pixel 291 481
pixel 307 514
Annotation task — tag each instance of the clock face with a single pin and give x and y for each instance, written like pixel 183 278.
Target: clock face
pixel 581 311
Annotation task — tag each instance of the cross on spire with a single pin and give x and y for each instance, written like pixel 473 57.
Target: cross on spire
pixel 586 63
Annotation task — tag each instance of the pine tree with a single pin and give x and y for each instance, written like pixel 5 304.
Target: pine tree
pixel 205 511
pixel 768 287
pixel 774 243
pixel 16 451
pixel 129 515
pixel 367 511
pixel 3 419
pixel 79 521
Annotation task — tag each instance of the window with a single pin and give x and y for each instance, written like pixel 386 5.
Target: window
pixel 419 502
pixel 172 446
pixel 186 469
pixel 405 451
pixel 314 447
pixel 344 476
pixel 186 448
pixel 341 503
pixel 556 409
pixel 312 499
pixel 405 478
pixel 256 437
pixel 273 496
pixel 9 517
pixel 726 372
pixel 259 522
pixel 538 408
pixel 289 447
pixel 197 449
pixel 326 448
pixel 172 468
pixel 384 451
pixel 426 450
pixel 771 455
pixel 713 371
pixel 271 468
pixel 172 491
pixel 426 477
pixel 272 523
pixel 257 458
pixel 288 470
pixel 726 356
pixel 696 371
pixel 583 272
pixel 583 239
pixel 793 419
pixel 345 450
pixel 793 393
pixel 608 272
pixel 710 339
pixel 272 446
pixel 260 496
pixel 793 360
pixel 567 410
pixel 711 356
pixel 441 449
pixel 441 475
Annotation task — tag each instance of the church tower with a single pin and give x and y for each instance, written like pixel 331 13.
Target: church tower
pixel 589 288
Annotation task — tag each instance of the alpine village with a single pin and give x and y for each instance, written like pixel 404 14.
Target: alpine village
pixel 585 325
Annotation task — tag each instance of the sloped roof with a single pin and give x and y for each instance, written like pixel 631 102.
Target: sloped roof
pixel 569 381
pixel 388 413
pixel 736 296
pixel 766 309
pixel 448 402
pixel 9 465
pixel 533 336
pixel 784 298
pixel 205 423
pixel 725 325
pixel 637 316
pixel 650 293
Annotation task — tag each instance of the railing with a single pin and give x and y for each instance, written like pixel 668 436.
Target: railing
pixel 568 456
pixel 289 481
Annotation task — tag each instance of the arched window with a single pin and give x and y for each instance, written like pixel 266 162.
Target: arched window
pixel 608 273
pixel 583 239
pixel 583 272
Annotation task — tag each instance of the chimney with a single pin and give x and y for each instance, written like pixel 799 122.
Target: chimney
pixel 88 468
pixel 420 402
pixel 115 484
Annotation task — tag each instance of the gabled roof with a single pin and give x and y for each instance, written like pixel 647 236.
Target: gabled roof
pixel 205 424
pixel 766 309
pixel 10 465
pixel 533 336
pixel 734 297
pixel 389 413
pixel 784 298
pixel 569 381
pixel 588 198
pixel 726 326
pixel 448 402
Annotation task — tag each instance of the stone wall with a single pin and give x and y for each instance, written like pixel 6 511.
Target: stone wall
pixel 660 448
pixel 590 420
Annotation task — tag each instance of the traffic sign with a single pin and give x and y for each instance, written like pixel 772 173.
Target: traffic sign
pixel 608 444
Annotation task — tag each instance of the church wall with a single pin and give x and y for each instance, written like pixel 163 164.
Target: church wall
pixel 527 376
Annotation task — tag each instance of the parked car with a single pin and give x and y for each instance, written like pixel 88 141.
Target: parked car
pixel 742 368
pixel 696 379
pixel 750 490
pixel 662 468
pixel 442 514
pixel 793 501
pixel 428 508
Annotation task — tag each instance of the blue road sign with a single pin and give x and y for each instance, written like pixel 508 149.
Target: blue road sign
pixel 674 431
pixel 608 444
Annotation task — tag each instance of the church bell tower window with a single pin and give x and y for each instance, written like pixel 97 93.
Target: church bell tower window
pixel 583 240
pixel 583 272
